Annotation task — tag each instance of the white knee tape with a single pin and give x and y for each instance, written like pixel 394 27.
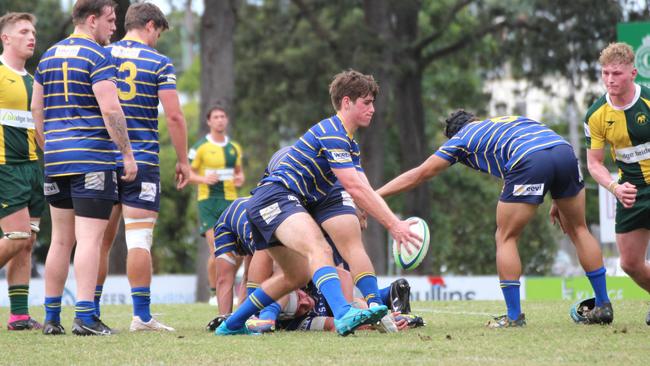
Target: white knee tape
pixel 228 258
pixel 139 233
pixel 34 225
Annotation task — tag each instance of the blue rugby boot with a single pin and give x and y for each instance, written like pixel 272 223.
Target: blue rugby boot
pixel 222 330
pixel 355 318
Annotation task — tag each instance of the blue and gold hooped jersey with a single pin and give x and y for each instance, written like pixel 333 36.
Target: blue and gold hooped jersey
pixel 496 145
pixel 627 131
pixel 232 232
pixel 141 73
pixel 307 168
pixel 76 139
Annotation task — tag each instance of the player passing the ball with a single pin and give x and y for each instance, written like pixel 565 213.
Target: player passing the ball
pixel 532 160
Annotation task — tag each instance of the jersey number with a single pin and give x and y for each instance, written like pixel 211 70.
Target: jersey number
pixel 64 68
pixel 129 80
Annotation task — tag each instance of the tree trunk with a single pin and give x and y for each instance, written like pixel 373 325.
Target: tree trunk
pixel 217 88
pixel 410 111
pixel 372 139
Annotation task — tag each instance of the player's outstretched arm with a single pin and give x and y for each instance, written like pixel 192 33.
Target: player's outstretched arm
pixel 37 113
pixel 431 167
pixel 625 192
pixel 364 196
pixel 178 134
pixel 106 94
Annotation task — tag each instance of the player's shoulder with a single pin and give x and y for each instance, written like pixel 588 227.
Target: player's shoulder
pixel 331 126
pixel 645 92
pixel 201 142
pixel 596 106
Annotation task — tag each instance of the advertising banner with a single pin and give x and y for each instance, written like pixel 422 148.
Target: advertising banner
pixel 637 35
pixel 578 288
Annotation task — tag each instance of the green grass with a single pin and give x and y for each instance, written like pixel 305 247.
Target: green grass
pixel 454 335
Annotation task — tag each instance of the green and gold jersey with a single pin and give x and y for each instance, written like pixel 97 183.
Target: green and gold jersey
pixel 17 134
pixel 627 131
pixel 210 157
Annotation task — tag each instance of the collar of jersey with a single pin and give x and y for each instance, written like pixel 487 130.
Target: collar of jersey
pixel 81 35
pixel 4 63
pixel 222 144
pixel 351 136
pixel 134 39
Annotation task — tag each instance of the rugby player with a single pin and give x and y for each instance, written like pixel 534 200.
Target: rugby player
pixel 77 114
pixel 217 170
pixel 620 118
pixel 532 160
pixel 289 207
pixel 21 176
pixel 145 78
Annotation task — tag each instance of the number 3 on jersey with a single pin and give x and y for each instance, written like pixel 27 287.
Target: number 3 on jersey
pixel 129 80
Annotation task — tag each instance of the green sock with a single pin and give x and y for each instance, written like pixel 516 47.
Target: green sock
pixel 18 299
pixel 213 291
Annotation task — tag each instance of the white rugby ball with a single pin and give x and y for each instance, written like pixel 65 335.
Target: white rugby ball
pixel 410 261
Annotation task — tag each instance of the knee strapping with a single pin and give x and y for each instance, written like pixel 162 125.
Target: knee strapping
pixel 139 233
pixel 34 225
pixel 17 235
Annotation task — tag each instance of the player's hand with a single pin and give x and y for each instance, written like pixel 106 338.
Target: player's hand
pixel 402 324
pixel 554 215
pixel 211 179
pixel 401 232
pixel 626 194
pixel 363 218
pixel 238 180
pixel 182 175
pixel 130 169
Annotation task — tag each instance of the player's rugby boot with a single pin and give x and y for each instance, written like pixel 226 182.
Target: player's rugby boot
pixel 261 325
pixel 600 314
pixel 214 323
pixel 22 322
pixel 357 317
pixel 137 325
pixel 52 327
pixel 400 293
pixel 223 330
pixel 413 321
pixel 97 328
pixel 504 322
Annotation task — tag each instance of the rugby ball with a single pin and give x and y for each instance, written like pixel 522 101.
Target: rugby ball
pixel 410 261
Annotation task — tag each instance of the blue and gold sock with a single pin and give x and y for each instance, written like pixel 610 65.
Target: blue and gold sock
pixel 85 311
pixel 53 309
pixel 510 291
pixel 18 295
pixel 251 287
pixel 257 301
pixel 599 284
pixel 141 299
pixel 327 281
pixel 384 294
pixel 366 282
pixel 271 312
pixel 98 296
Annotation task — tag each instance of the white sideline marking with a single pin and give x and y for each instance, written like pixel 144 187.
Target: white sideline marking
pixel 451 312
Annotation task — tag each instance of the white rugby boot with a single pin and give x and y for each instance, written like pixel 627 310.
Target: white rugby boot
pixel 137 325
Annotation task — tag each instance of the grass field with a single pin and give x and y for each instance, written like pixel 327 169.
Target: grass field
pixel 454 335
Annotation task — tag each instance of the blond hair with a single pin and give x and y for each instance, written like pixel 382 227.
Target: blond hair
pixel 12 18
pixel 617 53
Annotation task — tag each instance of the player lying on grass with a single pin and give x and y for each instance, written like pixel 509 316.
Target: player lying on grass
pixel 307 310
pixel 532 160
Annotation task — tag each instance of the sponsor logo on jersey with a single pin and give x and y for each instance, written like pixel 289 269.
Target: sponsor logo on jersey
pixel 67 51
pixel 125 52
pixel 341 156
pixel 528 190
pixel 634 154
